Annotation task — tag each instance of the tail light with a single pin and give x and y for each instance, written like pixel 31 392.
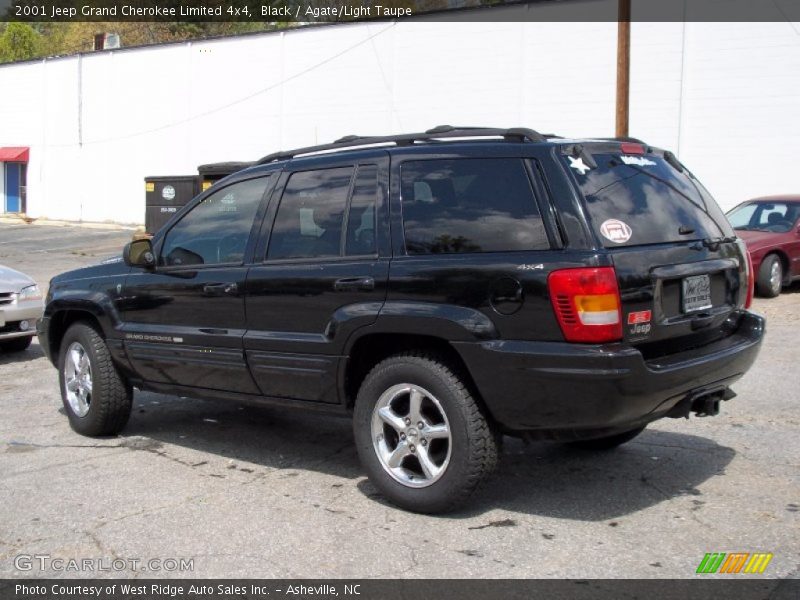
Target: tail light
pixel 587 304
pixel 629 148
pixel 751 280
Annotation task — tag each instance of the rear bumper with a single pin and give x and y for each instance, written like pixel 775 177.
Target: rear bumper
pixel 571 390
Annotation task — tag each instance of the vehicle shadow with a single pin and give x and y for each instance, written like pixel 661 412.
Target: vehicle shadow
pixel 564 482
pixel 33 352
pixel 545 479
pixel 793 288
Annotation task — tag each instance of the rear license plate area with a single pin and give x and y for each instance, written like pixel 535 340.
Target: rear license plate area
pixel 695 293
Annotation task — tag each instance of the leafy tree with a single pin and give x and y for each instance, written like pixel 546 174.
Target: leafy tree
pixel 19 41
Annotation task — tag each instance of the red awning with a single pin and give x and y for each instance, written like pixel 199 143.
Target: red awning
pixel 14 154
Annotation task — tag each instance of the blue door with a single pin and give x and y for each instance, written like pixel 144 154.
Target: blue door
pixel 12 187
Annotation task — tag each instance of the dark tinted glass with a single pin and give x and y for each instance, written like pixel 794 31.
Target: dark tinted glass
pixel 655 201
pixel 361 220
pixel 469 205
pixel 311 213
pixel 216 230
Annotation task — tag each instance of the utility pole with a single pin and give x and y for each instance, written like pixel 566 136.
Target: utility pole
pixel 623 67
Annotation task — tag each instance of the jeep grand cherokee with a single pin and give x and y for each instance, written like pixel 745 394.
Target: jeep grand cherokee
pixel 442 288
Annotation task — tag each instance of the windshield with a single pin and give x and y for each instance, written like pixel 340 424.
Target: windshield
pixel 636 200
pixel 777 217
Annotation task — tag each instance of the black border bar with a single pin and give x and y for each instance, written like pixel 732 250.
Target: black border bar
pixel 733 588
pixel 332 11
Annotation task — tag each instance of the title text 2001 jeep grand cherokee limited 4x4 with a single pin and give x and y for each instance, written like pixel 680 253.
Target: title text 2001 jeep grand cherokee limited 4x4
pixel 445 288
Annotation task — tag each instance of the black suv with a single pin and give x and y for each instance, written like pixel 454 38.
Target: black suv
pixel 443 288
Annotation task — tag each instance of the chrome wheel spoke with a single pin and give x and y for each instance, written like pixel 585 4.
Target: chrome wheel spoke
pixel 391 418
pixel 437 432
pixel 414 405
pixel 73 384
pixel 428 467
pixel 396 456
pixel 75 357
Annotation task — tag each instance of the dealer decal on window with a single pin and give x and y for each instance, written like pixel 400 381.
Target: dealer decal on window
pixel 616 231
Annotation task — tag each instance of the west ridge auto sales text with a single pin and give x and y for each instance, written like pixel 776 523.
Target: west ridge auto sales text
pixel 173 590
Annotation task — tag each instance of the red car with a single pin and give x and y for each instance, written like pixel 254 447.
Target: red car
pixel 770 227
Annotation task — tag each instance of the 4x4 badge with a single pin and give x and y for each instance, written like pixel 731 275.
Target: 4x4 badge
pixel 530 267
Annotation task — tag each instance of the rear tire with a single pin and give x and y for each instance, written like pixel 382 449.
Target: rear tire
pixel 609 442
pixel 429 469
pixel 17 344
pixel 770 277
pixel 96 397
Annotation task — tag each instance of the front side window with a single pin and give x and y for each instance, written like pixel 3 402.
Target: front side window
pixel 216 230
pixel 455 206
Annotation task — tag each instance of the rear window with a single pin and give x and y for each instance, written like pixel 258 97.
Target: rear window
pixel 636 200
pixel 455 206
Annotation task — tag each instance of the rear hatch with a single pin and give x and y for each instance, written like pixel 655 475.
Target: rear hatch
pixel 681 271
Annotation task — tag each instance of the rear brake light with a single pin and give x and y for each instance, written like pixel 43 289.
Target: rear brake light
pixel 751 280
pixel 628 148
pixel 587 304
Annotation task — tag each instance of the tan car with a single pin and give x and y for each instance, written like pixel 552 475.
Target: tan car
pixel 21 306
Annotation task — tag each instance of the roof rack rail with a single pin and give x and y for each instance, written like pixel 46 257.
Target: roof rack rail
pixel 517 134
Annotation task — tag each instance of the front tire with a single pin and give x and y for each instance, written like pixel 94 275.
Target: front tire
pixel 420 434
pixel 19 344
pixel 770 277
pixel 96 398
pixel 609 442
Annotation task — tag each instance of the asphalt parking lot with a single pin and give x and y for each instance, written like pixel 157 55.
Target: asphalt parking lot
pixel 262 492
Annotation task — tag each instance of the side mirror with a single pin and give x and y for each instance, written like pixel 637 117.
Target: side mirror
pixel 139 253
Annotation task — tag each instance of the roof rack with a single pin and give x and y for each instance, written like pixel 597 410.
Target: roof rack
pixel 516 134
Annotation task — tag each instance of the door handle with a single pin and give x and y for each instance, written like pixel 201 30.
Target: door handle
pixel 220 289
pixel 354 283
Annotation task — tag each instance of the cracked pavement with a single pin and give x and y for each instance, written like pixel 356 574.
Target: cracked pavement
pixel 265 492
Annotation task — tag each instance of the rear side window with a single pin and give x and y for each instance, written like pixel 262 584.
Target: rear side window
pixel 455 206
pixel 635 200
pixel 361 216
pixel 311 215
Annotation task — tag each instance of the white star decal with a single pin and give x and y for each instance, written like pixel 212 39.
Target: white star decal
pixel 579 165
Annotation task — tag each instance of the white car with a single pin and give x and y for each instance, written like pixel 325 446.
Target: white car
pixel 21 306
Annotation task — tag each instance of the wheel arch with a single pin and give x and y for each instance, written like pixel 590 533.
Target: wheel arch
pixel 371 348
pixel 61 321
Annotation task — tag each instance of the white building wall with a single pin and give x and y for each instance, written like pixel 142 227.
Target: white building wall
pixel 723 96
